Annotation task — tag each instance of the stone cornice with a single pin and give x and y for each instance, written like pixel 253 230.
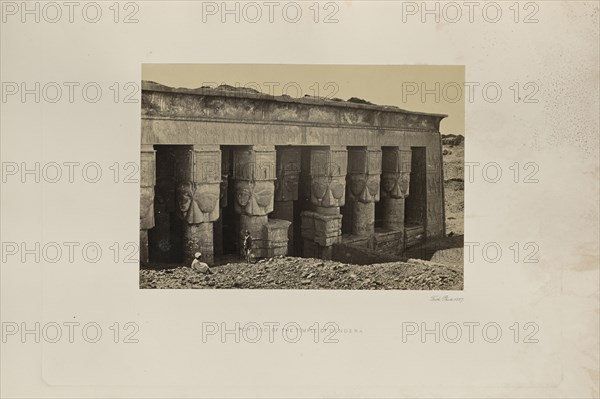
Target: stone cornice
pixel 287 123
pixel 244 106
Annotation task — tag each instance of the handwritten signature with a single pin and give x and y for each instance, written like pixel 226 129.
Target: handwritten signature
pixel 446 298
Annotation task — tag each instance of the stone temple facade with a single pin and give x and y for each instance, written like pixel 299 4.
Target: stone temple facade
pixel 305 176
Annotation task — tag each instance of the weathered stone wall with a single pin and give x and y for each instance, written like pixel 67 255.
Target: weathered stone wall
pixel 354 149
pixel 211 116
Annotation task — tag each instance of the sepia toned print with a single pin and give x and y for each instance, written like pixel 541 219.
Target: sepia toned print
pixel 332 193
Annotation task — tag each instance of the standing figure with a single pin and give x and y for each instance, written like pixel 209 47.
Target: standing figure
pixel 248 246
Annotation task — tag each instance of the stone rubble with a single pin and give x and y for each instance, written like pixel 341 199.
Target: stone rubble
pixel 308 273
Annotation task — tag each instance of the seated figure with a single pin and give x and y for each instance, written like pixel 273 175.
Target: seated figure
pixel 200 266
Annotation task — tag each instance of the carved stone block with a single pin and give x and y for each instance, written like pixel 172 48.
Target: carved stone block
pixel 328 229
pixel 207 165
pixel 276 232
pixel 391 242
pixel 254 163
pixel 331 161
pixel 396 159
pixel 269 236
pixel 365 160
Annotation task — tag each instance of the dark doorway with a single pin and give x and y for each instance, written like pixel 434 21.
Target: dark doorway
pixel 230 219
pixel 303 203
pixel 415 207
pixel 347 210
pixel 165 239
pixel 379 214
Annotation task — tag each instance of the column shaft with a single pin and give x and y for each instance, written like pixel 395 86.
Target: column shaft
pixel 363 218
pixel 198 174
pixel 395 182
pixel 323 225
pixel 147 183
pixel 286 188
pixel 254 182
pixel 393 213
pixel 364 169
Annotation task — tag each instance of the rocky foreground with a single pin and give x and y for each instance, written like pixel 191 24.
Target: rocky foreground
pixel 307 273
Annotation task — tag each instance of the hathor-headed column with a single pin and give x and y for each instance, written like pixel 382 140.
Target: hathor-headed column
pixel 323 226
pixel 286 188
pixel 147 183
pixel 254 185
pixel 395 181
pixel 198 172
pixel 364 169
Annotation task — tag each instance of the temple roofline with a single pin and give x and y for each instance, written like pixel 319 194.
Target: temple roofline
pixel 248 93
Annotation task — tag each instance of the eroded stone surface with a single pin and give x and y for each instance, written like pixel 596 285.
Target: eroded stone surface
pixel 219 154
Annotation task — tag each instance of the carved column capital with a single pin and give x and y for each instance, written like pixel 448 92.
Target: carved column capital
pixel 395 176
pixel 364 170
pixel 254 175
pixel 328 169
pixel 199 183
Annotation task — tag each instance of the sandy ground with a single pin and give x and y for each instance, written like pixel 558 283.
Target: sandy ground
pixel 454 158
pixel 442 269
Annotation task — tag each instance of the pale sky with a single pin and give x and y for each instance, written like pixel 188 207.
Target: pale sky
pixel 399 85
